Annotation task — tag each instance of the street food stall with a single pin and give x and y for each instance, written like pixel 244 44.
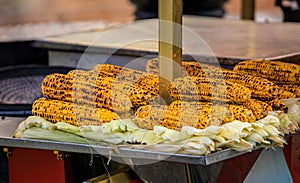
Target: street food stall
pixel 176 101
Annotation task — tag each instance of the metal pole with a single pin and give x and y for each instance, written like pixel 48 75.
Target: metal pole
pixel 248 9
pixel 170 43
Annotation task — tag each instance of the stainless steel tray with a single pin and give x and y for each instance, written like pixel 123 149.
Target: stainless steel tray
pixel 9 125
pixel 134 155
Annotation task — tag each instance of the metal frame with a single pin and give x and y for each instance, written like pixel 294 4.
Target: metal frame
pixel 122 152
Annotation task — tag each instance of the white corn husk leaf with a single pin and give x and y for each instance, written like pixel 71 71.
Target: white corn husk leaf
pixel 218 138
pixel 121 125
pixel 115 138
pixel 287 123
pixel 277 140
pixel 55 135
pixel 38 122
pixel 235 130
pixel 91 128
pixel 191 130
pixel 261 132
pixel 242 145
pixel 170 135
pixel 66 127
pixel 208 142
pixel 293 108
pixel 32 121
pixel 194 148
pixel 254 137
pixel 270 120
pixel 143 136
pixel 210 130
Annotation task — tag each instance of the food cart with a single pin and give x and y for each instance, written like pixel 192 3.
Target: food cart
pixel 230 41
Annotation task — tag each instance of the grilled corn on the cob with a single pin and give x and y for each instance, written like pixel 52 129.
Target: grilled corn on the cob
pixel 276 71
pixel 118 72
pixel 149 116
pixel 77 89
pixel 283 94
pixel 198 89
pixel 260 88
pixel 260 109
pixel 78 115
pixel 189 68
pixel 196 117
pixel 143 86
pixel 198 114
pixel 295 89
pixel 242 113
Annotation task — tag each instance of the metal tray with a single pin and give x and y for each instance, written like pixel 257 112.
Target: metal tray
pixel 124 153
pixel 9 125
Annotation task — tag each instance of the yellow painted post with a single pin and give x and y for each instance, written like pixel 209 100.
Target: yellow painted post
pixel 248 9
pixel 170 44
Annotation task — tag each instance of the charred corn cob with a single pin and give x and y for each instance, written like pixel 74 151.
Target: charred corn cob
pixel 90 77
pixel 216 109
pixel 196 114
pixel 197 88
pixel 143 86
pixel 196 117
pixel 78 115
pixel 283 94
pixel 277 105
pixel 76 82
pixel 118 72
pixel 179 114
pixel 66 88
pixel 189 68
pixel 295 89
pixel 140 96
pixel 144 90
pixel 202 70
pixel 275 71
pixel 139 91
pixel 149 116
pixel 82 73
pixel 241 113
pixel 260 88
pixel 178 104
pixel 149 83
pixel 233 111
pixel 138 78
pixel 260 109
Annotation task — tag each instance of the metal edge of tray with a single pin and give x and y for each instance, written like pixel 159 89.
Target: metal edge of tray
pixel 222 60
pixel 70 47
pixel 126 153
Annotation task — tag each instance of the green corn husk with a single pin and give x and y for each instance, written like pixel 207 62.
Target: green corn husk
pixel 53 135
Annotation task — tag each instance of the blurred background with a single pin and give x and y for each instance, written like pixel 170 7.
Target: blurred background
pixel 13 12
pixel 23 21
